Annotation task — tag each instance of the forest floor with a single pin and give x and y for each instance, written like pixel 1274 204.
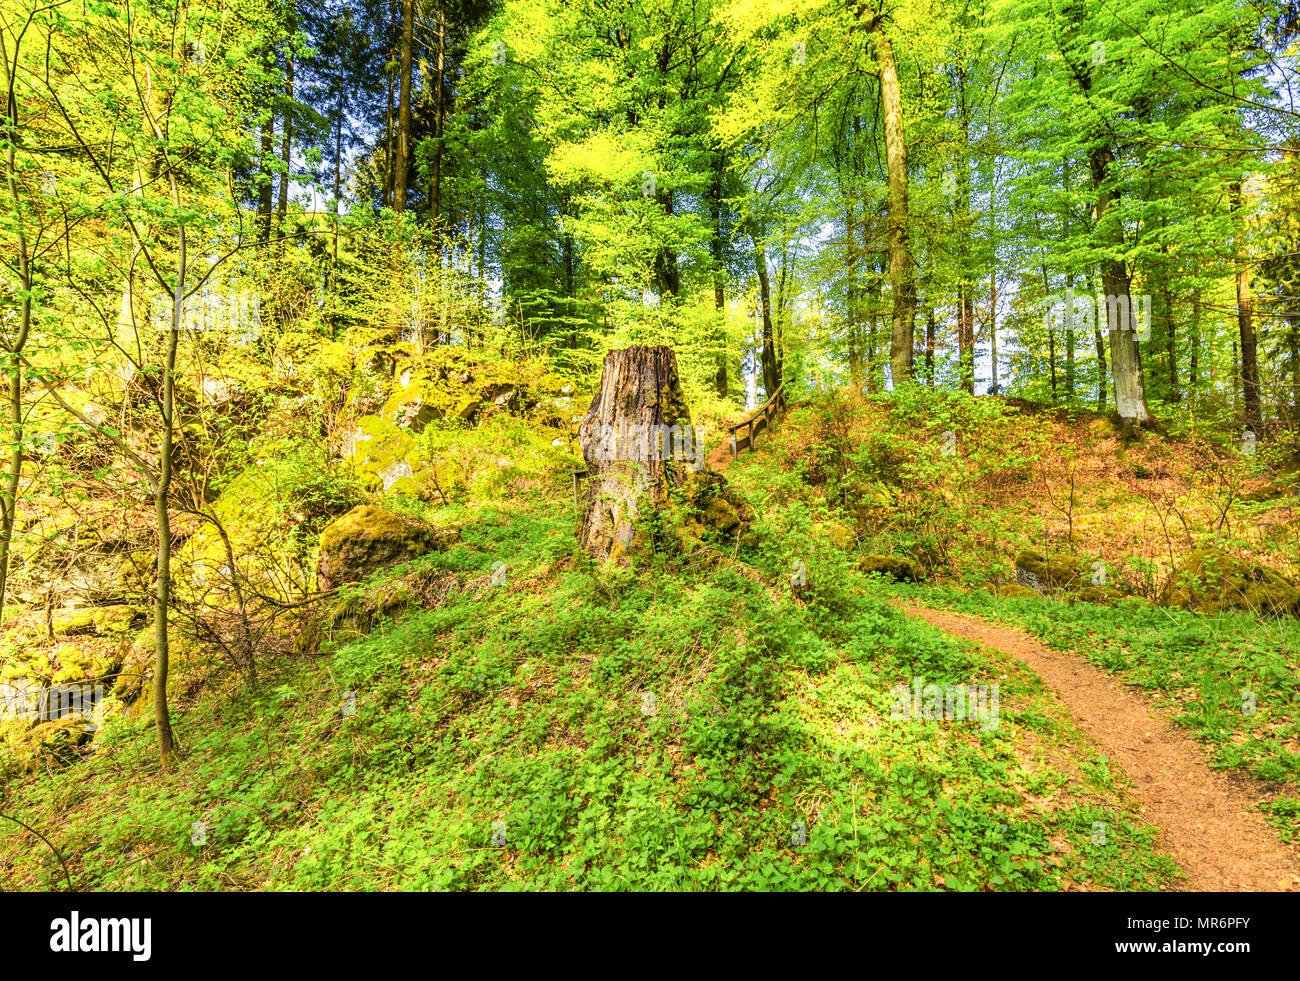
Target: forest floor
pixel 671 726
pixel 1207 821
pixel 1202 815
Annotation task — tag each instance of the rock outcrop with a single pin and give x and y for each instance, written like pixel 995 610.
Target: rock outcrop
pixel 368 538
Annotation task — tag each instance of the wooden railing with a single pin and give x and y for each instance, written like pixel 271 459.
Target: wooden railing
pixel 760 420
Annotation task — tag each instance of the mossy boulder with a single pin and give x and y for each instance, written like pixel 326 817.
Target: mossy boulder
pixel 368 538
pixel 27 748
pixel 103 621
pixel 73 663
pixel 716 507
pixel 1210 581
pixel 1103 595
pixel 384 456
pixel 1038 571
pixel 1015 591
pixel 445 384
pixel 58 557
pixel 901 570
pixel 419 397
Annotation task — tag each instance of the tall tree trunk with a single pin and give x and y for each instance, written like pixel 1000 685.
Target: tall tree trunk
pixel 435 183
pixel 966 337
pixel 994 388
pixel 965 286
pixel 1171 325
pixel 402 159
pixel 901 273
pixel 716 246
pixel 334 249
pixel 1125 358
pixel 929 345
pixel 1069 284
pixel 1100 340
pixel 1246 327
pixel 387 196
pixel 15 344
pixel 265 193
pixel 874 380
pixel 851 301
pixel 286 126
pixel 771 367
pixel 1194 368
pixel 162 515
pixel 667 275
pixel 1069 366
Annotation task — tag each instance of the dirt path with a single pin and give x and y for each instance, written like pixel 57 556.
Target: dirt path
pixel 720 458
pixel 1201 813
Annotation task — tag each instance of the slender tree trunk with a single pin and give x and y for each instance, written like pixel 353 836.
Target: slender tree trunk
pixel 286 125
pixel 402 161
pixel 1246 330
pixel 1194 368
pixel 1100 341
pixel 965 288
pixel 851 301
pixel 1069 284
pixel 1171 326
pixel 435 183
pixel 14 345
pixel 716 246
pixel 265 192
pixel 966 337
pixel 874 380
pixel 994 388
pixel 334 248
pixel 901 272
pixel 13 475
pixel 1125 358
pixel 1171 345
pixel 929 346
pixel 1069 366
pixel 162 514
pixel 387 197
pixel 771 368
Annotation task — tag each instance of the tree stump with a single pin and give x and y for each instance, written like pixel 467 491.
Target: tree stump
pixel 638 443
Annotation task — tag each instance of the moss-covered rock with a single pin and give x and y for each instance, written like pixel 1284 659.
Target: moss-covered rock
pixel 74 663
pixel 1103 595
pixel 369 538
pixel 101 621
pixel 902 570
pixel 716 507
pixel 1038 571
pixel 1210 581
pixel 384 456
pixel 272 513
pixel 1015 591
pixel 28 748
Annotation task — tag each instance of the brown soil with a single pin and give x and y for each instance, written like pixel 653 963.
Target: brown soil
pixel 1203 815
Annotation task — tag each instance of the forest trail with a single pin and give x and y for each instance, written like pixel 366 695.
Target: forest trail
pixel 720 459
pixel 1202 814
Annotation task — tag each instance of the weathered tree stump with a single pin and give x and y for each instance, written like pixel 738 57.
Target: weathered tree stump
pixel 638 444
